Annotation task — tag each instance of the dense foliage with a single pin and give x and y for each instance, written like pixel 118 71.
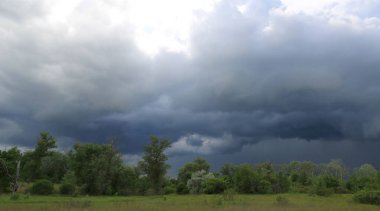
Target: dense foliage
pixel 153 163
pixel 8 165
pixel 368 197
pixel 42 187
pixel 98 169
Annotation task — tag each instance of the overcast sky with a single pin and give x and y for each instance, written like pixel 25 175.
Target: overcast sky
pixel 230 80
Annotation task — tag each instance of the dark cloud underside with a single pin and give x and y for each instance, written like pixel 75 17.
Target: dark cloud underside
pixel 264 84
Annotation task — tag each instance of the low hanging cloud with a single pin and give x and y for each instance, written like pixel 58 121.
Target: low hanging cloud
pixel 251 73
pixel 199 144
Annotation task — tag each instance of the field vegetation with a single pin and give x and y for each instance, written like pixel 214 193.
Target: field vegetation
pixel 185 202
pixel 94 177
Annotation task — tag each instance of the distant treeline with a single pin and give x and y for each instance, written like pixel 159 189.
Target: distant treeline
pixel 98 169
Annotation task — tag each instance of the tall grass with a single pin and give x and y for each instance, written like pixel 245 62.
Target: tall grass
pixel 185 202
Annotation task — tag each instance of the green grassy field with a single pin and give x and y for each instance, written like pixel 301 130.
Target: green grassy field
pixel 186 202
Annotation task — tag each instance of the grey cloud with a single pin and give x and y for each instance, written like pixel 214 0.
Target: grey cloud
pixel 204 145
pixel 262 79
pixel 20 10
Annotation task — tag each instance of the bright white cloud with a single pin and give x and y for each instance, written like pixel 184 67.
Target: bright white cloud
pixel 351 13
pixel 166 25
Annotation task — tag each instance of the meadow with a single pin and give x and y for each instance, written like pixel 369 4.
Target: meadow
pixel 185 202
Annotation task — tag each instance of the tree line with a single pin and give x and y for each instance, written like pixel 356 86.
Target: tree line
pixel 98 169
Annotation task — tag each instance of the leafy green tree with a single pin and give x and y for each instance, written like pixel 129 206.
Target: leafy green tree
pixel 214 185
pixel 282 184
pixel 337 168
pixel 32 161
pixel 125 182
pixel 304 179
pixel 245 179
pixel 97 167
pixel 366 177
pixel 320 187
pixel 8 169
pixel 45 143
pixel 185 172
pixel 330 181
pixel 228 171
pixel 54 166
pixel 264 186
pixel 154 162
pixel 197 181
pixel 143 185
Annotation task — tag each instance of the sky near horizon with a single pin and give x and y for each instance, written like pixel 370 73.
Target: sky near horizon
pixel 239 81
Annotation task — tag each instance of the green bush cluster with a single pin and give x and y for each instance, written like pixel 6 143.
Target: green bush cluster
pixel 98 169
pixel 67 189
pixel 368 197
pixel 42 187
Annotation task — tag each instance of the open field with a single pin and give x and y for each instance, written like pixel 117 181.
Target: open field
pixel 185 202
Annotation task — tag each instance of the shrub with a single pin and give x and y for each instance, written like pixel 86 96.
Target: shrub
pixel 325 185
pixel 341 190
pixel 42 187
pixel 245 179
pixel 170 189
pixel 214 185
pixel 368 197
pixel 330 181
pixel 264 187
pixel 67 189
pixel 182 189
pixel 282 184
pixel 323 191
pixel 197 181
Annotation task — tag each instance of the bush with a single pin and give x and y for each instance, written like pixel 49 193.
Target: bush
pixel 341 190
pixel 325 185
pixel 282 184
pixel 42 187
pixel 323 191
pixel 170 189
pixel 67 189
pixel 214 186
pixel 182 189
pixel 368 197
pixel 330 181
pixel 264 187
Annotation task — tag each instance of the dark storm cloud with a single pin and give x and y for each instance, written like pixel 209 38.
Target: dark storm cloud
pixel 258 76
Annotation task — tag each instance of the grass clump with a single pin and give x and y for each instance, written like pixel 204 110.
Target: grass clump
pixel 229 194
pixel 77 204
pixel 282 201
pixel 14 197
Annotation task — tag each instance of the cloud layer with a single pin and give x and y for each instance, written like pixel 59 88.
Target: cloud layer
pixel 251 73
